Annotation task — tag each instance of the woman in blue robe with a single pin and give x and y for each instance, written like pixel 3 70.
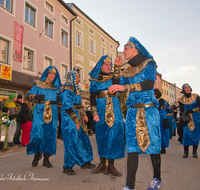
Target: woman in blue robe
pixel 189 104
pixel 142 126
pixel 44 126
pixel 164 125
pixel 109 127
pixel 170 117
pixel 78 149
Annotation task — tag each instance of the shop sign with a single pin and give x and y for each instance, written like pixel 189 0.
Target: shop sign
pixel 6 72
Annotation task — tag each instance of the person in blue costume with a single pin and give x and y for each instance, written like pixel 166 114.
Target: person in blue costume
pixel 106 112
pixel 174 111
pixel 170 117
pixel 164 125
pixel 142 126
pixel 78 149
pixel 189 104
pixel 44 125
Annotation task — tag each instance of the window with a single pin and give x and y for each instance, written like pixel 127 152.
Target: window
pixel 91 31
pixel 92 46
pixel 7 4
pixel 4 51
pixel 64 19
pixel 48 62
pixel 64 38
pixel 49 6
pixel 64 72
pixel 30 14
pixel 28 59
pixel 111 46
pixel 103 51
pixel 103 40
pixel 112 57
pixel 78 21
pixel 48 27
pixel 78 39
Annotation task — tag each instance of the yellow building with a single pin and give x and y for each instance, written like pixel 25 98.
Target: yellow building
pixel 89 43
pixel 165 90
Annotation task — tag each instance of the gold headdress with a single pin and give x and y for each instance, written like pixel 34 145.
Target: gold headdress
pixel 107 60
pixel 53 70
pixel 131 44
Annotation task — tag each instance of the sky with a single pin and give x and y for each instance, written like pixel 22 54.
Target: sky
pixel 169 29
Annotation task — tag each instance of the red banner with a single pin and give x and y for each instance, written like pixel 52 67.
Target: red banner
pixel 18 41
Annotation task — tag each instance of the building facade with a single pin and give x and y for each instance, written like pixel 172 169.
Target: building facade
pixel 34 34
pixel 89 43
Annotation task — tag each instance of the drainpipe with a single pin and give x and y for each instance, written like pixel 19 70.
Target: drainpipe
pixel 71 42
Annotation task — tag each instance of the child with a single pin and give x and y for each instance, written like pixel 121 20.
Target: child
pixel 4 122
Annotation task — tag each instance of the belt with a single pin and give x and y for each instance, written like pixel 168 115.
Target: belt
pixel 47 102
pixel 105 94
pixel 170 114
pixel 141 105
pixel 163 107
pixel 77 106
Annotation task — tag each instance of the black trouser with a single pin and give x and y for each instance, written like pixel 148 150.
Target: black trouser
pixel 132 166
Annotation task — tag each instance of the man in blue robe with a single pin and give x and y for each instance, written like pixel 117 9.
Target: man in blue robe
pixel 78 149
pixel 44 126
pixel 142 126
pixel 109 127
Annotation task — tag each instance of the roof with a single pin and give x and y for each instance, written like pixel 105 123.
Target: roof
pixel 67 7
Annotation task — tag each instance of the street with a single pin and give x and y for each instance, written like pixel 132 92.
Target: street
pixel 178 173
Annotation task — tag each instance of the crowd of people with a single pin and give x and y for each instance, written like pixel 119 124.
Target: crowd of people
pixel 149 124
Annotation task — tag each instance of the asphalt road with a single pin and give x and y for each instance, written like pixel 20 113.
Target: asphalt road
pixel 16 172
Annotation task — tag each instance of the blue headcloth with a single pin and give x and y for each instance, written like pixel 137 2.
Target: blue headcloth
pixel 134 43
pixel 56 81
pixel 97 69
pixel 71 80
pixel 184 85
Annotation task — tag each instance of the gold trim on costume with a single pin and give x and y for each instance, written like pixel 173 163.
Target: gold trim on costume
pixel 44 85
pixel 94 111
pixel 105 94
pixel 197 109
pixel 163 107
pixel 141 105
pixel 132 71
pixel 102 78
pixel 77 106
pixel 70 87
pixel 30 97
pixel 129 43
pixel 83 124
pixel 170 114
pixel 117 71
pixel 191 125
pixel 53 70
pixel 132 87
pixel 74 117
pixel 142 132
pixel 107 60
pixel 47 115
pixel 189 100
pixel 109 112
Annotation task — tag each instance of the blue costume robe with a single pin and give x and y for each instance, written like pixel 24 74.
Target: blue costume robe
pixel 43 135
pixel 110 140
pixel 191 137
pixel 77 145
pixel 151 113
pixel 170 118
pixel 164 130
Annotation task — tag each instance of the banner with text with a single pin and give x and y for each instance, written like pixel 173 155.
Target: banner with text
pixel 18 41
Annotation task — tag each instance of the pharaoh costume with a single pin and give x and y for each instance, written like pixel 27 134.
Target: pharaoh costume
pixel 110 129
pixel 170 117
pixel 190 104
pixel 77 145
pixel 44 125
pixel 142 126
pixel 164 125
